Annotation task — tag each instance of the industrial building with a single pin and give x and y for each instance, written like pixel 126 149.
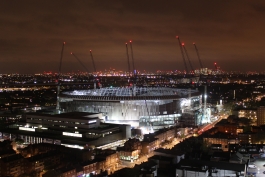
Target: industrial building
pixel 76 129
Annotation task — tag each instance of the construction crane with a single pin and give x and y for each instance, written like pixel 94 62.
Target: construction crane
pixel 186 52
pixel 134 72
pixel 199 58
pixel 58 79
pixel 182 53
pixel 95 70
pixel 80 62
pixel 61 59
pixel 215 66
pixel 92 58
pixel 128 59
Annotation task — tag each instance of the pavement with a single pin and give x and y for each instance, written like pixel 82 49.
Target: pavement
pixel 259 168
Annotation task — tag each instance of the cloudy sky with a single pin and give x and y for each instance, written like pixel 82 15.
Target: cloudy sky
pixel 231 33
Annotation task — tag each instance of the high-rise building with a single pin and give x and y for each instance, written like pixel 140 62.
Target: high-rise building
pixel 261 115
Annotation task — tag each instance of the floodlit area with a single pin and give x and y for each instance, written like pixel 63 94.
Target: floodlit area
pixel 138 106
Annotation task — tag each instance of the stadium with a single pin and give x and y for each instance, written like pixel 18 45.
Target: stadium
pixel 154 107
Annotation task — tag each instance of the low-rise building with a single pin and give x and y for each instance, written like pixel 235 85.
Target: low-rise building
pixel 149 144
pixel 133 144
pixel 129 155
pixel 219 138
pixel 107 160
pixel 38 162
pixel 12 165
pixel 246 137
pixel 191 168
pixel 177 155
pixel 227 127
pixel 89 167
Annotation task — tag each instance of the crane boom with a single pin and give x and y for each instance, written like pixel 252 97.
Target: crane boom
pixel 182 53
pixel 94 66
pixel 134 72
pixel 61 59
pixel 199 58
pixel 128 58
pixel 58 86
pixel 80 62
pixel 186 52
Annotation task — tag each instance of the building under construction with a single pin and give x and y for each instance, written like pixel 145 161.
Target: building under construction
pixel 148 107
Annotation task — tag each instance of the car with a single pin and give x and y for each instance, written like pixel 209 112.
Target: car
pixel 264 172
pixel 252 166
pixel 264 165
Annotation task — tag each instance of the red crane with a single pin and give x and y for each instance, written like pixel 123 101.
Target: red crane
pixel 128 58
pixel 134 72
pixel 58 82
pixel 182 53
pixel 198 55
pixel 94 66
pixel 215 66
pixel 61 59
pixel 80 62
pixel 186 52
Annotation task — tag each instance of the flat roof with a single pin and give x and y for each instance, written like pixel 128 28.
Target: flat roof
pixel 71 115
pixel 217 164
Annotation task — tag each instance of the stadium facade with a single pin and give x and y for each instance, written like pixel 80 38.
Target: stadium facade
pixel 139 106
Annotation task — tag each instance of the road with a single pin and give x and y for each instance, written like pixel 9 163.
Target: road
pixel 144 158
pixel 259 168
pixel 211 125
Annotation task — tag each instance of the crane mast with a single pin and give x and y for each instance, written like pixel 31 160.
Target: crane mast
pixel 186 52
pixel 182 53
pixel 58 82
pixel 95 70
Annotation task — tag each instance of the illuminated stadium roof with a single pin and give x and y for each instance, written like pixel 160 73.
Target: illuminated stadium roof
pixel 129 93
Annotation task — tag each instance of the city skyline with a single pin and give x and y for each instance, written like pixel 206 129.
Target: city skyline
pixel 230 33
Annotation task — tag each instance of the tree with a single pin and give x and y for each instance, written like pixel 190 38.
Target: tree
pixel 19 141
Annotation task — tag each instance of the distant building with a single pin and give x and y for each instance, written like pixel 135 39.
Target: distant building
pixel 246 137
pixel 231 128
pixel 261 116
pixel 220 138
pixel 246 112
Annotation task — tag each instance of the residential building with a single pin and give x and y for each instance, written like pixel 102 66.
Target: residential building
pixel 261 116
pixel 12 165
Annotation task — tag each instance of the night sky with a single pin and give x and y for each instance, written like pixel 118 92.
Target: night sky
pixel 229 32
